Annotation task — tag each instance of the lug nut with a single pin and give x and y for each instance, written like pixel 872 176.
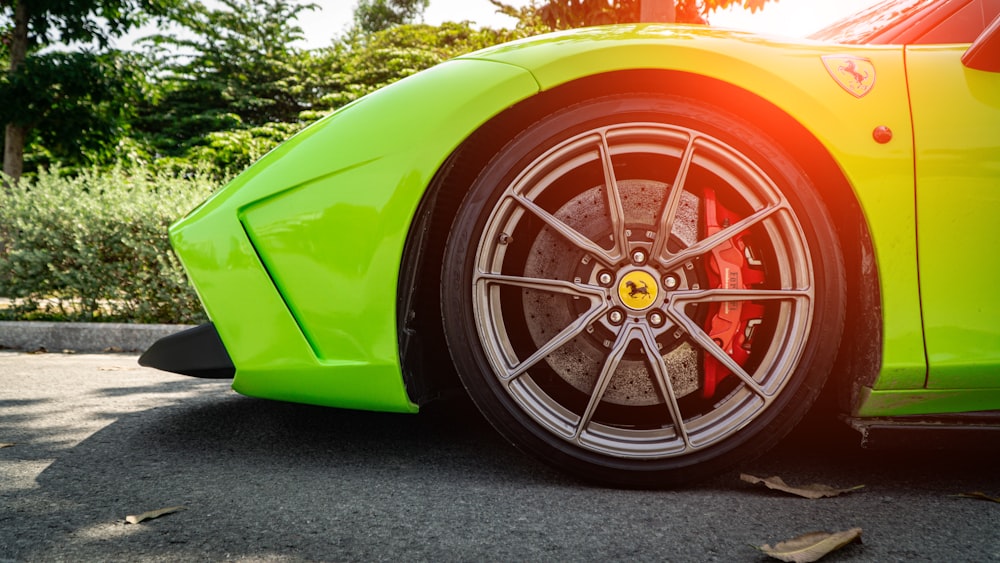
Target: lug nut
pixel 670 281
pixel 638 257
pixel 605 279
pixel 656 319
pixel 616 317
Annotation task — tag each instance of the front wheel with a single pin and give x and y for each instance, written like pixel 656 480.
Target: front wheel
pixel 642 290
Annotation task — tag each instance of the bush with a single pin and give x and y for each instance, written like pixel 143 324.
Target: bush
pixel 94 247
pixel 365 62
pixel 232 151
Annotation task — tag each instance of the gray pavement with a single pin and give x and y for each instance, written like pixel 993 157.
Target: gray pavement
pixel 95 438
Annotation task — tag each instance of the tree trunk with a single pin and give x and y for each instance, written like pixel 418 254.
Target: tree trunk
pixel 13 151
pixel 656 11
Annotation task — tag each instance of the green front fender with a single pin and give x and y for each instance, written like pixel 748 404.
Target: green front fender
pixel 297 260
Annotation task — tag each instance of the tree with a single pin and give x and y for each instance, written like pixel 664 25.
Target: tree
pixel 365 62
pixel 30 25
pixel 657 11
pixel 376 15
pixel 240 58
pixel 566 14
pixel 77 105
pixel 230 74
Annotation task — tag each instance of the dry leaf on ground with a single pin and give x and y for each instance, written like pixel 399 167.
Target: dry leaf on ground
pixel 812 546
pixel 135 519
pixel 980 496
pixel 6 445
pixel 813 491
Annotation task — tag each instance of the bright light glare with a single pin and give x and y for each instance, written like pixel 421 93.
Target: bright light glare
pixel 790 18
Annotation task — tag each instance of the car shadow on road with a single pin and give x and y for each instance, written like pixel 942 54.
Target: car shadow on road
pixel 825 449
pixel 268 479
pixel 451 438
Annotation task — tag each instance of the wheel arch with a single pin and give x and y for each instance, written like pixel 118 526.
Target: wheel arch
pixel 423 351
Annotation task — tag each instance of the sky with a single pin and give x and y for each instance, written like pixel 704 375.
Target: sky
pixel 794 18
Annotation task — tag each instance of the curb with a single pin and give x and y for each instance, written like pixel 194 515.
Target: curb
pixel 82 337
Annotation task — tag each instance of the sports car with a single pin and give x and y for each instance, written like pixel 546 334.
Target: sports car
pixel 642 250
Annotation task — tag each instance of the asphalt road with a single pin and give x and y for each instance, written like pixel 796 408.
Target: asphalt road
pixel 96 438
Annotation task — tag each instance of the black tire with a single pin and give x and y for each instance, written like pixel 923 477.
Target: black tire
pixel 558 283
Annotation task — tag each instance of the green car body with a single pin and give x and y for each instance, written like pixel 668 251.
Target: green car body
pixel 302 261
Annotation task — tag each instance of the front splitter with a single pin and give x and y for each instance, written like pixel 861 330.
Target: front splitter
pixel 198 352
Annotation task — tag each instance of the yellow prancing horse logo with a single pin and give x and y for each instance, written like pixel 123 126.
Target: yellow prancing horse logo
pixel 856 75
pixel 638 290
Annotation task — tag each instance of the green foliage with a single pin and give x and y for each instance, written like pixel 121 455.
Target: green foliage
pixel 31 25
pixel 68 21
pixel 80 243
pixel 94 247
pixel 371 16
pixel 242 88
pixel 367 62
pixel 222 91
pixel 567 14
pixel 229 152
pixel 579 13
pixel 231 86
pixel 238 59
pixel 78 106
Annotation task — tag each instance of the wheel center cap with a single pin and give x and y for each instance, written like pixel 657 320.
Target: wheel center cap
pixel 638 290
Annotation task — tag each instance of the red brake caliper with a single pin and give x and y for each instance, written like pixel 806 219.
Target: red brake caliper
pixel 729 323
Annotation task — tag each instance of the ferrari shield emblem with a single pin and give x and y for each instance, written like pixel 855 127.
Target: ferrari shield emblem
pixel 854 74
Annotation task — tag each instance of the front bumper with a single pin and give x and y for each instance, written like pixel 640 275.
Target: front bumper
pixel 297 260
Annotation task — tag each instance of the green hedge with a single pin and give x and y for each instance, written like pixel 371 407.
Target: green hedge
pixel 93 247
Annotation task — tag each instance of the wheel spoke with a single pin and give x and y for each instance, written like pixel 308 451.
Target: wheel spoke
pixel 680 298
pixel 661 376
pixel 706 343
pixel 615 209
pixel 569 233
pixel 543 284
pixel 597 308
pixel 604 379
pixel 558 341
pixel 673 201
pixel 708 243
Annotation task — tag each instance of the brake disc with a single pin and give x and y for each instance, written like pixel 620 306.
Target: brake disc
pixel 579 362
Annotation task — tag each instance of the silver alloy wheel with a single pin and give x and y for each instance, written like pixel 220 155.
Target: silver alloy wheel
pixel 619 368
